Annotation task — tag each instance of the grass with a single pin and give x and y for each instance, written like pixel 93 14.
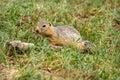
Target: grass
pixel 97 21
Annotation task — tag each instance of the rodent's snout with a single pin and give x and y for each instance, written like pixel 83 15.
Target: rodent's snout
pixel 37 31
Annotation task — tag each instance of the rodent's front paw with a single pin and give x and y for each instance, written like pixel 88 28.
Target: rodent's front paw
pixel 56 47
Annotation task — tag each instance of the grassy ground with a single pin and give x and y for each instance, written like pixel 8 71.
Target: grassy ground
pixel 97 20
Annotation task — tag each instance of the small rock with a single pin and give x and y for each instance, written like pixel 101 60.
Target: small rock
pixel 20 45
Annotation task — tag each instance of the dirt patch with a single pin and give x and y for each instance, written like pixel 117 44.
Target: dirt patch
pixel 7 73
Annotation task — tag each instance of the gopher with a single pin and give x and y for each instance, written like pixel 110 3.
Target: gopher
pixel 61 35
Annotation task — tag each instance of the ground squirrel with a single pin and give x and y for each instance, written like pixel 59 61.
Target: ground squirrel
pixel 61 35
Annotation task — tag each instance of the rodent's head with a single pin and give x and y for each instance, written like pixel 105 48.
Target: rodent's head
pixel 44 28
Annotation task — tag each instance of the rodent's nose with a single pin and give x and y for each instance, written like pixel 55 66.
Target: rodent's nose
pixel 37 31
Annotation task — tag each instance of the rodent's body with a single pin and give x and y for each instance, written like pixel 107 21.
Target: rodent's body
pixel 64 35
pixel 60 35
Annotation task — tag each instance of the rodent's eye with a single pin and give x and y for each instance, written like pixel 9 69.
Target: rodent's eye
pixel 44 26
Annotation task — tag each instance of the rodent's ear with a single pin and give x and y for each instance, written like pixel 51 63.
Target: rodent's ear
pixel 50 24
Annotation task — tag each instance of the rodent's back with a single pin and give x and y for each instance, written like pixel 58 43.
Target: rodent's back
pixel 67 33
